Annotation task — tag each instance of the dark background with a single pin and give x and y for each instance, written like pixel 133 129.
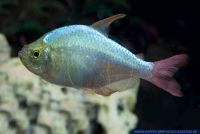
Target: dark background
pixel 159 29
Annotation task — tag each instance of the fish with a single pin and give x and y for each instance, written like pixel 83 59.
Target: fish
pixel 84 57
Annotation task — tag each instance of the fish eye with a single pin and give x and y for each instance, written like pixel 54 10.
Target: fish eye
pixel 36 54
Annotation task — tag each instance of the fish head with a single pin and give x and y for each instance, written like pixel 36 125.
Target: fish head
pixel 36 58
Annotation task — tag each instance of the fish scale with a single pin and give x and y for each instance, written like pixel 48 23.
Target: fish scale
pixel 85 38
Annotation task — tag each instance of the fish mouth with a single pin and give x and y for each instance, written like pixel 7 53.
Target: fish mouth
pixel 21 55
pixel 22 52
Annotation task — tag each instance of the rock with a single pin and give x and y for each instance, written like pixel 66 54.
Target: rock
pixel 4 49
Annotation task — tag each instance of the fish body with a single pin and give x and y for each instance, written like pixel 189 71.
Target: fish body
pixel 84 57
pixel 88 55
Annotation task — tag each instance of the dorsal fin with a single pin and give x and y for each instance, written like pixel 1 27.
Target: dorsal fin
pixel 103 25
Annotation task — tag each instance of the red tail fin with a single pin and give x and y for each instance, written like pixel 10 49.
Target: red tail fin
pixel 163 71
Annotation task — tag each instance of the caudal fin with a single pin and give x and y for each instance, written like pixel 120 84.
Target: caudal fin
pixel 163 71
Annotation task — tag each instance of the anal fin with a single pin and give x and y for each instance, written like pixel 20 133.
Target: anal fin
pixel 118 86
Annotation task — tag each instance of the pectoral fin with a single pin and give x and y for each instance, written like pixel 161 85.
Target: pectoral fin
pixel 103 25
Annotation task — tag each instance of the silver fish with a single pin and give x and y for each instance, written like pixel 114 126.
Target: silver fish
pixel 84 57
